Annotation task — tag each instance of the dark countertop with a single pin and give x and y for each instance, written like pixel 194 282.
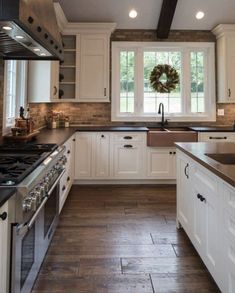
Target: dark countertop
pixel 60 135
pixel 198 150
pixel 213 129
pixel 5 194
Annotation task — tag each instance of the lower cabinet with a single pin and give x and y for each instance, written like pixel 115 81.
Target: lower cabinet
pixel 161 163
pixel 228 215
pixel 206 211
pixel 67 179
pixel 128 160
pixel 184 193
pixel 83 155
pixel 109 155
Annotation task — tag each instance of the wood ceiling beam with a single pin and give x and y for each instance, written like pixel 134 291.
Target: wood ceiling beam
pixel 166 17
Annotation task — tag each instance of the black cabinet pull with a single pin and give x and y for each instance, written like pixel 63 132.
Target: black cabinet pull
pixel 68 152
pixel 217 137
pixel 3 216
pixel 74 139
pixel 68 179
pixel 128 137
pixel 174 153
pixel 202 198
pixel 128 146
pixel 63 188
pixel 229 93
pixel 102 136
pixel 185 170
pixel 170 153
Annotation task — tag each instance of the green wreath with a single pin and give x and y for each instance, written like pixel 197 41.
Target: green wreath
pixel 172 78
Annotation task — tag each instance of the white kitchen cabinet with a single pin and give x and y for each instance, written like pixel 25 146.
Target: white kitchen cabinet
pixel 216 137
pixel 184 192
pixel 4 249
pixel 93 79
pixel 127 160
pixel 101 155
pixel 229 237
pixel 83 155
pixel 225 34
pixel 199 206
pixel 206 232
pixel 68 177
pixel 161 163
pixel 109 155
pixel 43 81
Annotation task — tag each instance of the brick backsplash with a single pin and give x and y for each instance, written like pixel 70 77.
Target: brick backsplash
pixel 100 113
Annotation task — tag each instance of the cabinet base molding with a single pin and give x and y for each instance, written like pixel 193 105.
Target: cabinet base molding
pixel 123 182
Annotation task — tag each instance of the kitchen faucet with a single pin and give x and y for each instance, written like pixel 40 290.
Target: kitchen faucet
pixel 161 111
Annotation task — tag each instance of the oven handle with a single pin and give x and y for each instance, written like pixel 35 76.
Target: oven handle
pixel 55 183
pixel 23 229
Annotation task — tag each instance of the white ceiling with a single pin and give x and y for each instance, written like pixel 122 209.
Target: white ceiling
pixel 216 12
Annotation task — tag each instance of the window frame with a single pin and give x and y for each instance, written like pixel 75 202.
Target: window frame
pixel 185 48
pixel 21 92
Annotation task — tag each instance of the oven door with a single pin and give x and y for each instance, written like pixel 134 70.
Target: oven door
pixel 27 255
pixel 50 215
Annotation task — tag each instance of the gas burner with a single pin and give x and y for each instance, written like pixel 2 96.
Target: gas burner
pixel 28 148
pixel 15 167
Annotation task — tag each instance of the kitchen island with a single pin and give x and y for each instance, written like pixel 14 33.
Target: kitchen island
pixel 206 205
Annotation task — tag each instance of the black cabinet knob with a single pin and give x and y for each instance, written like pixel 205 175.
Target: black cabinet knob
pixel 63 188
pixel 3 216
pixel 68 152
pixel 102 136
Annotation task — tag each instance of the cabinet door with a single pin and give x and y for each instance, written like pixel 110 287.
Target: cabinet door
pixel 102 155
pixel 94 68
pixel 128 160
pixel 83 154
pixel 55 69
pixel 160 163
pixel 4 248
pixel 43 81
pixel 184 194
pixel 206 223
pixel 231 69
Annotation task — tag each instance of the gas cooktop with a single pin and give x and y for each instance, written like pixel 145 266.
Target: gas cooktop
pixel 19 160
pixel 28 147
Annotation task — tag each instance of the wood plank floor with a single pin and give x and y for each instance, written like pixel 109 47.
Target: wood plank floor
pixel 122 239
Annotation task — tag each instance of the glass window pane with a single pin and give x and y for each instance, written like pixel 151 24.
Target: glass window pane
pixel 127 76
pixel 151 59
pixel 197 82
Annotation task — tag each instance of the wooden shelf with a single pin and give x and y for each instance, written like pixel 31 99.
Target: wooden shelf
pixel 68 82
pixel 67 66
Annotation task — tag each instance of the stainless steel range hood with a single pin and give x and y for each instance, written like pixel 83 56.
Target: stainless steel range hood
pixel 29 30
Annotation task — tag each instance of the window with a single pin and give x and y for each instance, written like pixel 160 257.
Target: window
pixel 14 92
pixel 133 99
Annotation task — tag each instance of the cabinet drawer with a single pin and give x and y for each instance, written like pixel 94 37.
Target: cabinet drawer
pixel 217 136
pixel 230 226
pixel 129 137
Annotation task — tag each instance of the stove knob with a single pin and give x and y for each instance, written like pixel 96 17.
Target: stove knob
pixel 34 201
pixel 27 205
pixel 42 190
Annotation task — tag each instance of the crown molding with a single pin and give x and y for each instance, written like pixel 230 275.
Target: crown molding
pixel 74 28
pixel 224 30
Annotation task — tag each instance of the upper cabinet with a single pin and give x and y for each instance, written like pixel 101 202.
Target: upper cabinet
pixel 225 34
pixel 43 81
pixel 70 69
pixel 94 67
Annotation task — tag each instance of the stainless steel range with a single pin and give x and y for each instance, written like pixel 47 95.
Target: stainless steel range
pixel 35 208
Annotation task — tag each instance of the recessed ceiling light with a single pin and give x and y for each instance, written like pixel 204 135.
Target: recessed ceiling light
pixel 42 54
pixel 200 14
pixel 36 49
pixel 7 28
pixel 133 13
pixel 19 37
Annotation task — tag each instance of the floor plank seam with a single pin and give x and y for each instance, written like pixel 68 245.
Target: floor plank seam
pixel 151 281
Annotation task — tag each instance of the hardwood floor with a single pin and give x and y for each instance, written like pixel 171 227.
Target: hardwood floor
pixel 122 239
